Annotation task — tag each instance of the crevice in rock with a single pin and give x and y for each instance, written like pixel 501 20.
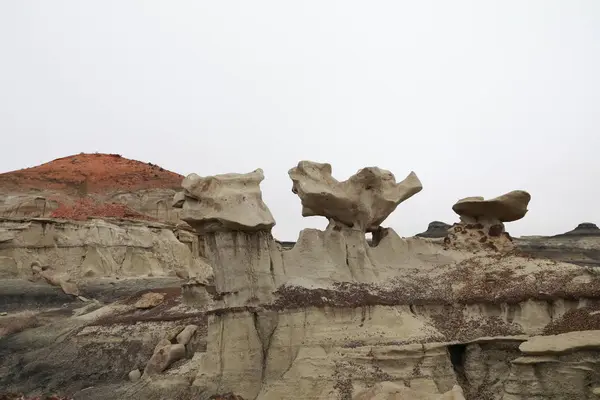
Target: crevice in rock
pixel 265 331
pixel 264 347
pixel 457 358
pixel 411 307
pixel 272 269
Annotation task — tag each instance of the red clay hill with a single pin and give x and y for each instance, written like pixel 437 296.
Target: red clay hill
pixel 82 186
pixel 91 173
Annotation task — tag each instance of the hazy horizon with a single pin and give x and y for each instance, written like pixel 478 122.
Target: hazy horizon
pixel 478 98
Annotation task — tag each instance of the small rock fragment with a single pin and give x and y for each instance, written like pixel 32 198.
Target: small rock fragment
pixel 135 375
pixel 149 300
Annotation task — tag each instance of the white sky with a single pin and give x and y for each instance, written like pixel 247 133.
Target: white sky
pixel 477 97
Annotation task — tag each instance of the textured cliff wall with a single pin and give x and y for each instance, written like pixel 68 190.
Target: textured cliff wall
pixel 80 250
pixel 332 316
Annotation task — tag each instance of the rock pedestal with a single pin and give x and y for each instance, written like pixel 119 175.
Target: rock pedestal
pixel 234 225
pixel 482 221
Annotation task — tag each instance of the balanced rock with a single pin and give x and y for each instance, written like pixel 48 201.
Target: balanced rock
pixel 227 202
pixel 509 207
pixel 363 201
pixel 481 224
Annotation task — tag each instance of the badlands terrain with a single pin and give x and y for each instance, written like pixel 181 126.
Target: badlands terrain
pixel 121 280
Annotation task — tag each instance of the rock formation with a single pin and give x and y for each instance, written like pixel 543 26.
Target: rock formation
pixel 329 317
pixel 583 229
pixel 580 246
pixel 435 229
pixel 225 203
pixel 105 179
pixel 509 207
pixel 363 201
pixel 96 249
pixel 229 213
pixel 481 224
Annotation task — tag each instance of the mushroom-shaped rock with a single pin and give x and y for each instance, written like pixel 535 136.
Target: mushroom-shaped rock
pixel 509 207
pixel 482 222
pixel 363 201
pixel 227 202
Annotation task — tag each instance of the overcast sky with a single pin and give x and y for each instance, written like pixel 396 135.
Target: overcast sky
pixel 477 97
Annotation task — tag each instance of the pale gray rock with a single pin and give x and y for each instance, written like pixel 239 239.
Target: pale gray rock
pixel 186 334
pixel 6 236
pixel 509 207
pixel 97 248
pixel 228 202
pixel 363 201
pixel 135 375
pixel 164 355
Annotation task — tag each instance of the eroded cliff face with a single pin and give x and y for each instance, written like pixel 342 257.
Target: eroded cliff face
pixel 457 319
pixel 330 317
pixel 75 255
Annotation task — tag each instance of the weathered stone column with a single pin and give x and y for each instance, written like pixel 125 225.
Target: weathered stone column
pixel 235 228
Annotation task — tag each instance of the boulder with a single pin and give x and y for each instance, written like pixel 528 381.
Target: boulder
pixel 509 207
pixel 228 202
pixel 186 334
pixel 164 355
pixel 363 201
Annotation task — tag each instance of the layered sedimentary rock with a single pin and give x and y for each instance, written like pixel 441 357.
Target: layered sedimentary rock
pixel 154 203
pixel 225 202
pixel 579 246
pixel 363 201
pixel 482 221
pixel 96 248
pixel 331 317
pixel 585 229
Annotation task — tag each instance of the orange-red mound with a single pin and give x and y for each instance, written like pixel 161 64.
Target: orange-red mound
pixel 87 208
pixel 91 173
